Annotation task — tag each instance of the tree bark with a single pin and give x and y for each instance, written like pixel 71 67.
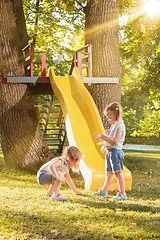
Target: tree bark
pixel 102 31
pixel 22 141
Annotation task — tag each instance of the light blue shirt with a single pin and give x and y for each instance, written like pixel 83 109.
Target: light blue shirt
pixel 113 128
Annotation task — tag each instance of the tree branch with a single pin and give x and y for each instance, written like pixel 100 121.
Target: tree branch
pixel 80 5
pixel 36 22
pixel 20 22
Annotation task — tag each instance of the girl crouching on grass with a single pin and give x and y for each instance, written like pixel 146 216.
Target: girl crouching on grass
pixel 56 171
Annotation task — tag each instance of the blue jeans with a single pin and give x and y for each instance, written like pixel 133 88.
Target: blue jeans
pixel 114 160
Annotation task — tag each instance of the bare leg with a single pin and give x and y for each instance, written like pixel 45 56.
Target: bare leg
pixel 108 181
pixel 121 182
pixel 57 184
pixel 50 190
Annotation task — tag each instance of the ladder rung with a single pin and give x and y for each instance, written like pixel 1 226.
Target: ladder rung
pixel 27 58
pixel 85 66
pixel 48 129
pixel 54 144
pixel 38 105
pixel 53 118
pixel 52 139
pixel 55 105
pixel 42 100
pixel 37 63
pixel 85 53
pixel 53 147
pixel 58 123
pixel 50 134
pixel 85 57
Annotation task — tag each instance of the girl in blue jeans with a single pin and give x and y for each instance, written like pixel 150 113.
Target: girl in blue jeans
pixel 113 142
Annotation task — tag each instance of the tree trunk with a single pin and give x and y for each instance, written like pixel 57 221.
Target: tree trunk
pixel 102 31
pixel 22 141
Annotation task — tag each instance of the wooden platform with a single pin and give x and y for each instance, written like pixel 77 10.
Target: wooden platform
pixel 88 80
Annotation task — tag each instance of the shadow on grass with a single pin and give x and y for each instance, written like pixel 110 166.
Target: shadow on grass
pixel 96 202
pixel 29 225
pixel 45 227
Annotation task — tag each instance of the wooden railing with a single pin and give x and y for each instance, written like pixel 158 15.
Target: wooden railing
pixel 28 53
pixel 83 59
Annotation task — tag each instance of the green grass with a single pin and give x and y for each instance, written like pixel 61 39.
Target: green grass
pixel 26 213
pixel 142 140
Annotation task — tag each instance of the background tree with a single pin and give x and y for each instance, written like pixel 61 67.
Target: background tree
pixel 140 54
pixel 48 21
pixel 102 31
pixel 22 141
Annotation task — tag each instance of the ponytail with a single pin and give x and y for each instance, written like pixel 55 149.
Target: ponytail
pixel 116 108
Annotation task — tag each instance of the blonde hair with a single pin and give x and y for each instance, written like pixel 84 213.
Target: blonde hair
pixel 74 153
pixel 116 108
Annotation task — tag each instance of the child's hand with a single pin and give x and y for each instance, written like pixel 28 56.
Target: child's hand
pixel 106 132
pixel 97 135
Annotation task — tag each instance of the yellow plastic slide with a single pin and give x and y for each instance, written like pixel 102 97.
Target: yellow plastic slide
pixel 82 121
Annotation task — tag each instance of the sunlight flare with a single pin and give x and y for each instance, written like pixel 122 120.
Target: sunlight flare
pixel 152 7
pixel 103 26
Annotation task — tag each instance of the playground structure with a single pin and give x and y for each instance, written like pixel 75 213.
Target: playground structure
pixel 51 121
pixel 82 121
pixel 82 59
pixel 80 114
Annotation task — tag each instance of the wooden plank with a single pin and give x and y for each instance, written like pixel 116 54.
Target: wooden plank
pixel 28 79
pixel 27 58
pixel 22 79
pixel 89 80
pixel 99 80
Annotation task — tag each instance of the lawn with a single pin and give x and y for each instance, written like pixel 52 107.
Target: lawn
pixel 26 213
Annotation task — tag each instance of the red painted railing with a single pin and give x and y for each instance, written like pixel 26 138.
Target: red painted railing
pixel 28 53
pixel 83 59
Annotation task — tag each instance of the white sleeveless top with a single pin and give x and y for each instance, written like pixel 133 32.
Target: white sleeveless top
pixel 63 168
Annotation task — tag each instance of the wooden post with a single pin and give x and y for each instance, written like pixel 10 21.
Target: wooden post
pixel 79 62
pixel 43 71
pixel 4 79
pixel 24 54
pixel 31 63
pixel 90 61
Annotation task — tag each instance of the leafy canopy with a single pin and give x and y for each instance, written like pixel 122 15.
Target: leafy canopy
pixel 140 54
pixel 56 27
